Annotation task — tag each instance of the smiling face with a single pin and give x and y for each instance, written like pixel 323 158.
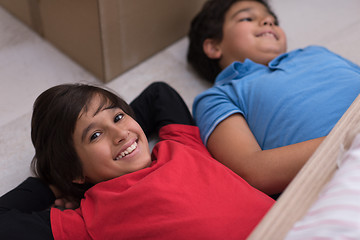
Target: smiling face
pixel 249 31
pixel 109 143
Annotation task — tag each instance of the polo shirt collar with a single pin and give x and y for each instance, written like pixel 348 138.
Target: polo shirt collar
pixel 237 70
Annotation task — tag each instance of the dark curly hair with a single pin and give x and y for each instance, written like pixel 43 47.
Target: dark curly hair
pixel 55 114
pixel 208 23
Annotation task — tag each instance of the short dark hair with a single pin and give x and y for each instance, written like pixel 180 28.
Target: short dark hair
pixel 208 23
pixel 55 114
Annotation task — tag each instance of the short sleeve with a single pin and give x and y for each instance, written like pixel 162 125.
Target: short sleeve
pixel 212 107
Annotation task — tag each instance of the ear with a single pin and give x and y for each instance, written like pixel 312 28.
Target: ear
pixel 79 180
pixel 211 48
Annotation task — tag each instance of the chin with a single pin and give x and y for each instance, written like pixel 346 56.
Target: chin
pixel 271 55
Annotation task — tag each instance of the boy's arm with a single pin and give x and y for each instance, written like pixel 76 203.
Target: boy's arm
pixel 31 195
pixel 269 171
pixel 23 214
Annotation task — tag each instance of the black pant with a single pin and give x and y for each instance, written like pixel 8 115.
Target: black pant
pixel 159 105
pixel 22 214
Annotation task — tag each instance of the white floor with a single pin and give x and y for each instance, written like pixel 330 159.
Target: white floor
pixel 29 65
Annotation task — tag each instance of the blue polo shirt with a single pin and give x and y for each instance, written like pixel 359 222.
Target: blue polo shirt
pixel 299 96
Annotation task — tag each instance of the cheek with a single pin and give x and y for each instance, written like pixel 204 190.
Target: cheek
pixel 284 42
pixel 80 151
pixel 237 39
pixel 98 151
pixel 136 128
pixel 282 35
pixel 94 158
pixel 90 155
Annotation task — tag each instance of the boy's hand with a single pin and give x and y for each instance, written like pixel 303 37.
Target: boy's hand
pixel 64 203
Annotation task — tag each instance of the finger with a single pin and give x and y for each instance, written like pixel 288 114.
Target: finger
pixel 70 205
pixel 59 202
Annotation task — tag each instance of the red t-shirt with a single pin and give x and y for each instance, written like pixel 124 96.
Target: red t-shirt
pixel 185 194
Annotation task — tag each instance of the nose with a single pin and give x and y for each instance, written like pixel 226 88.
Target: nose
pixel 268 21
pixel 118 135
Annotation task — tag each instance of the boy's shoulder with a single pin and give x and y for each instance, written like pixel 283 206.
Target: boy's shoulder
pixel 184 134
pixel 309 50
pixel 314 50
pixel 328 55
pixel 312 54
pixel 319 49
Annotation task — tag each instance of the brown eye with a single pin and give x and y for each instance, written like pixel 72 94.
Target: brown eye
pixel 118 117
pixel 248 19
pixel 94 136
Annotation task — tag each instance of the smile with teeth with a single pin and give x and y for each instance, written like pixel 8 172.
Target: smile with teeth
pixel 265 34
pixel 127 151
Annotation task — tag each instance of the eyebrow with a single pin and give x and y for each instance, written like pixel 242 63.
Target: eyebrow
pixel 249 9
pixel 102 108
pixel 240 11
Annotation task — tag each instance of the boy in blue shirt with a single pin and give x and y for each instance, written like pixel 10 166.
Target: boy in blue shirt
pixel 268 110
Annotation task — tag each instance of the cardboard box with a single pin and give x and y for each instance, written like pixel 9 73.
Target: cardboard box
pixel 107 37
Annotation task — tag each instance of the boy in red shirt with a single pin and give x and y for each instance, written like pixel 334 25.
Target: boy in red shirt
pixel 93 150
